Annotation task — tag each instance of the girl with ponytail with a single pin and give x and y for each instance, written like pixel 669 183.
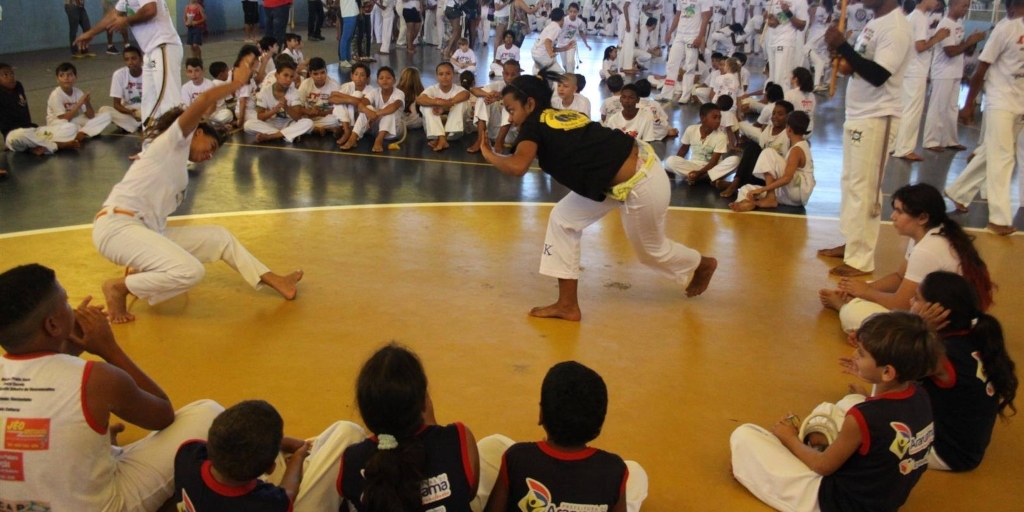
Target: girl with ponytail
pixel 937 243
pixel 411 463
pixel 975 380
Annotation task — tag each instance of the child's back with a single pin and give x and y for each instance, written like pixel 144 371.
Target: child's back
pixel 588 478
pixel 200 491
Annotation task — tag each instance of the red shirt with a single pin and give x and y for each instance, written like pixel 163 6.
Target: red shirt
pixel 275 3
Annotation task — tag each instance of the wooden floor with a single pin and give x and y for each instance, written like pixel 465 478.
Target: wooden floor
pixel 454 282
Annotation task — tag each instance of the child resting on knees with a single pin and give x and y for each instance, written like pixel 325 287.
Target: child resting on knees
pixel 490 115
pixel 859 454
pixel 708 146
pixel 383 115
pixel 787 181
pixel 445 97
pixel 562 468
pixel 126 92
pixel 279 108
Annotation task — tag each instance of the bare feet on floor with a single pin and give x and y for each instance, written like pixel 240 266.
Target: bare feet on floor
pixel 353 139
pixel 285 285
pixel 74 144
pixel 377 147
pixel 39 151
pixel 845 270
pixel 1001 230
pixel 475 148
pixel 438 145
pixel 702 276
pixel 960 207
pixel 937 149
pixel 741 206
pixel 831 299
pixel 565 312
pixel 912 157
pixel 116 294
pixel 834 252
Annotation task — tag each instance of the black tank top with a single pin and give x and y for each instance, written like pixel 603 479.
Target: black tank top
pixel 449 483
pixel 542 478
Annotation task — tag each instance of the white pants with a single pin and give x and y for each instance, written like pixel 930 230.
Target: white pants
pixel 682 52
pixel 376 20
pixel 703 94
pixel 795 193
pixel 817 55
pixel 542 60
pixel 390 123
pixel 223 116
pixel 289 128
pixel 161 81
pixel 855 312
pixel 496 69
pixel 91 127
pixel 682 167
pixel 494 116
pixel 397 11
pixel 493 447
pixel 781 61
pixel 328 121
pixel 318 490
pixel 914 88
pixel 644 58
pixel 993 166
pixel 865 151
pixel 144 474
pixel 643 218
pixel 171 263
pixel 940 130
pixel 24 139
pixel 568 59
pixel 387 29
pixel 124 121
pixel 430 28
pixel 627 42
pixel 754 24
pixel 436 127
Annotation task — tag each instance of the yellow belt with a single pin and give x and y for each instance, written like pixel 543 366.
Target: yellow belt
pixel 645 158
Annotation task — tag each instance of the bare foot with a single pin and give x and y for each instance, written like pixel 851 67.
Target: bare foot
pixel 319 131
pixel 937 149
pixel 116 294
pixel 81 136
pixel 285 285
pixel 475 148
pixel 912 157
pixel 353 139
pixel 432 144
pixel 565 312
pixel 845 270
pixel 1001 230
pixel 721 184
pixel 960 207
pixel 831 299
pixel 957 147
pixel 835 252
pixel 74 144
pixel 377 147
pixel 441 144
pixel 741 206
pixel 702 276
pixel 260 137
pixel 767 202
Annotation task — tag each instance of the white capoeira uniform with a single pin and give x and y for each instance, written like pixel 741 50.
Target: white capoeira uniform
pixel 131 229
pixel 795 193
pixel 817 50
pixel 464 58
pixel 778 143
pixel 805 102
pixel 494 116
pixel 662 124
pixel 318 97
pixel 689 20
pixel 47 137
pixel 222 113
pixel 503 55
pixel 387 25
pixel 701 150
pixel 719 9
pixel 161 59
pixel 579 103
pixel 627 38
pixel 389 123
pixel 786 49
pixel 59 103
pixel 345 113
pixel 430 23
pixel 539 51
pixel 128 89
pixel 433 124
pixel 190 91
pixel 872 122
pixel 943 104
pixel 318 490
pixel 640 127
pixel 915 85
pixel 62 450
pixel 857 17
pixel 993 164
pixel 282 122
pixel 570 29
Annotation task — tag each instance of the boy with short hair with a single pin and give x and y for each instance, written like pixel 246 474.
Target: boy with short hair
pixel 195 19
pixel 708 143
pixel 611 105
pixel 197 83
pixel 572 27
pixel 68 104
pixel 293 48
pixel 279 108
pixel 703 90
pixel 464 59
pixel 491 117
pixel 544 50
pixel 565 97
pixel 504 52
pixel 222 113
pixel 16 125
pixel 315 93
pixel 126 91
pixel 662 127
pixel 788 180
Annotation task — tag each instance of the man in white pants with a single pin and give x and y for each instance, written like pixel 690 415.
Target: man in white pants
pixel 161 46
pixel 688 32
pixel 873 106
pixel 58 432
pixel 126 91
pixel 627 30
pixel 999 73
pixel 915 81
pixel 387 16
pixel 786 22
pixel 947 70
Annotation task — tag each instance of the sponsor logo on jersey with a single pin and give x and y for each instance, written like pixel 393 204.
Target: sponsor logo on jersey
pixel 435 489
pixel 564 119
pixel 26 434
pixel 981 375
pixel 539 499
pixel 906 442
pixel 186 503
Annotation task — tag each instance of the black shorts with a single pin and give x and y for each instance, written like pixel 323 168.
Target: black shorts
pixel 452 13
pixel 412 16
pixel 251 11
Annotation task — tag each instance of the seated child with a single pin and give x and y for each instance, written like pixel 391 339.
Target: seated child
pixel 788 180
pixel 744 72
pixel 634 121
pixel 490 115
pixel 245 97
pixel 268 53
pixel 703 89
pixel 435 101
pixel 662 128
pixel 727 83
pixel 730 125
pixel 352 99
pixel 974 381
pixel 410 462
pixel 802 94
pixel 773 136
pixel 68 104
pixel 412 86
pixel 279 108
pixel 874 449
pixel 562 468
pixel 383 115
pixel 222 111
pixel 197 83
pixel 566 97
pixel 648 44
pixel 772 92
pixel 464 59
pixel 293 49
pixel 315 93
pixel 126 91
pixel 612 105
pixel 610 63
pixel 708 145
pixel 503 53
pixel 16 124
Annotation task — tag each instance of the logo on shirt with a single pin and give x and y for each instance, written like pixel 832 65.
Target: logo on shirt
pixel 906 442
pixel 990 390
pixel 564 119
pixel 27 434
pixel 435 489
pixel 186 503
pixel 539 499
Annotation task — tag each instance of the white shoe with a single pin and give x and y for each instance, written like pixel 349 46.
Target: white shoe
pixel 344 64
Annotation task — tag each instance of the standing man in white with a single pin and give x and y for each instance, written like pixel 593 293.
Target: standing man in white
pixel 999 72
pixel 688 32
pixel 161 48
pixel 947 70
pixel 915 81
pixel 628 21
pixel 874 97
pixel 786 23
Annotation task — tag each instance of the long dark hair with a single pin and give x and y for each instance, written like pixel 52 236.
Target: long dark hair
pixel 391 392
pixel 955 294
pixel 923 199
pixel 212 128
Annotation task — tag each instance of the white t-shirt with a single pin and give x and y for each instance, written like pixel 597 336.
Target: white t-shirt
pixel 435 92
pixel 247 91
pixel 777 142
pixel 640 127
pixel 919 63
pixel 1004 51
pixel 721 7
pixel 265 99
pixel 932 254
pixel 464 57
pixel 785 34
pixel 727 84
pixel 551 32
pixel 765 117
pixel 504 11
pixel 155 184
pixel 378 102
pixel 610 107
pixel 503 54
pixel 294 54
pixel 858 16
pixel 803 101
pixel 729 121
pixel 316 97
pixel 191 91
pixel 744 79
pixel 690 17
pixel 887 41
pixel 127 88
pixel 702 149
pixel 569 30
pixel 660 117
pixel 155 32
pixel 580 103
pixel 944 66
pixel 59 103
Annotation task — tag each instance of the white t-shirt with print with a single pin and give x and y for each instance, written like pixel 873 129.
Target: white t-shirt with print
pixel 316 97
pixel 570 29
pixel 127 88
pixel 464 57
pixel 690 17
pixel 59 103
pixel 190 91
pixel 785 34
pixel 551 32
pixel 640 127
pixel 503 54
pixel 804 102
pixel 155 32
pixel 580 103
pixel 702 149
pixel 887 41
pixel 265 99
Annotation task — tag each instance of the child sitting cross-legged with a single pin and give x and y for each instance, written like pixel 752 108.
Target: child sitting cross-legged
pixel 315 93
pixel 351 100
pixel 279 108
pixel 383 115
pixel 567 95
pixel 787 181
pixel 705 143
pixel 635 121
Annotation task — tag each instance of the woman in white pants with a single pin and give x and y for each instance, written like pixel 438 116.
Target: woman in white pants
pixel 279 109
pixel 443 98
pixel 131 229
pixel 606 170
